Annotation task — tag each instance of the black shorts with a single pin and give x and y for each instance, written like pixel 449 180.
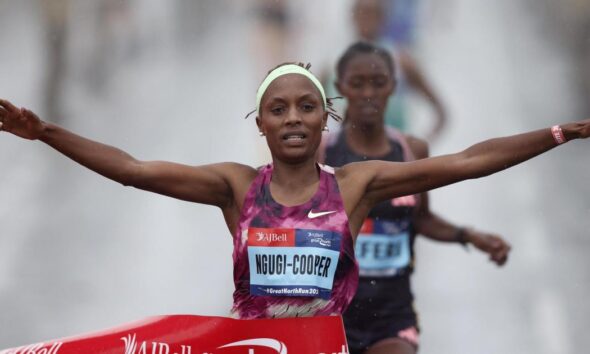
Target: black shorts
pixel 409 335
pixel 359 340
pixel 381 309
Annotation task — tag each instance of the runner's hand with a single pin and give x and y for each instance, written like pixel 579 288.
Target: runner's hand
pixel 577 130
pixel 20 121
pixel 493 245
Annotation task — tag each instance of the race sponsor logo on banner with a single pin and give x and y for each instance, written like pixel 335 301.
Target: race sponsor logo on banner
pixel 292 262
pixel 132 346
pixel 274 344
pixel 190 334
pixel 249 346
pixel 39 348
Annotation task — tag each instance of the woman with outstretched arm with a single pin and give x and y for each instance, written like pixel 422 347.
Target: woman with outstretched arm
pixel 293 221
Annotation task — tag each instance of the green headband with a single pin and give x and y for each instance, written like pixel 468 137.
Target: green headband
pixel 284 70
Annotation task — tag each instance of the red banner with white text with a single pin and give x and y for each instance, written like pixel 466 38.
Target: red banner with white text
pixel 184 334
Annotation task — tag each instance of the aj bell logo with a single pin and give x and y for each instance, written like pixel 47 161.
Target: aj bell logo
pixel 39 348
pixel 271 237
pixel 143 347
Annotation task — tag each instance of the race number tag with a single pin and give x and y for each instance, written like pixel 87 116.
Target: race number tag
pixel 292 262
pixel 382 248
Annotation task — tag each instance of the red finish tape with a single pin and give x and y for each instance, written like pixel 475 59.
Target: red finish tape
pixel 185 334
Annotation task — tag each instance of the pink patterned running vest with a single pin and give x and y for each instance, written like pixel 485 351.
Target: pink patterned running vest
pixel 293 261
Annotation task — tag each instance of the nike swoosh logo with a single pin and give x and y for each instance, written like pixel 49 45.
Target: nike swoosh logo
pixel 313 215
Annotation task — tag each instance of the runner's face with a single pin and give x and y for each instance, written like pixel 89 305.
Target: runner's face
pixel 367 83
pixel 292 117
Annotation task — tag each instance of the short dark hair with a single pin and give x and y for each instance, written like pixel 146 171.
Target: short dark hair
pixel 305 66
pixel 363 47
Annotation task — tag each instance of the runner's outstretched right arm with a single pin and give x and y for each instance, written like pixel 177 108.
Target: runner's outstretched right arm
pixel 209 184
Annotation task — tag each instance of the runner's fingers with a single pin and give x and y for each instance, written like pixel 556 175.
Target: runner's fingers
pixel 10 113
pixel 501 256
pixel 496 259
pixel 3 115
pixel 501 261
pixel 8 106
pixel 504 259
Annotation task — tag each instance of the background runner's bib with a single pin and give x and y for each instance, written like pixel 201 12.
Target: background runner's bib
pixel 292 262
pixel 383 248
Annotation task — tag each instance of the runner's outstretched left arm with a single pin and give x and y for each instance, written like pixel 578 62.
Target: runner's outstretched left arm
pixel 364 184
pixel 386 180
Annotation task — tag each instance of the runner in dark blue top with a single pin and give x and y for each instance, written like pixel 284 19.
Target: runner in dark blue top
pixel 381 318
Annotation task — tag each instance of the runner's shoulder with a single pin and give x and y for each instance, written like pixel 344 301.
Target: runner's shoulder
pixel 235 173
pixel 359 171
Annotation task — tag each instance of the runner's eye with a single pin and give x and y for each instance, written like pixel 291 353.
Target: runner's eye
pixel 355 84
pixel 308 107
pixel 277 110
pixel 379 82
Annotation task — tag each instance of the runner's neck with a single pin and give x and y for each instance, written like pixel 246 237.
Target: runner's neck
pixel 294 184
pixel 368 140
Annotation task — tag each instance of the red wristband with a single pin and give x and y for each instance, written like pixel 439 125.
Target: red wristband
pixel 558 135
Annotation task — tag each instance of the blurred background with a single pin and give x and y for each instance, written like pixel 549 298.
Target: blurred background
pixel 174 79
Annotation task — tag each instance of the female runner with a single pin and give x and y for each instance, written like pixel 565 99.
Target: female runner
pixel 293 222
pixel 381 317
